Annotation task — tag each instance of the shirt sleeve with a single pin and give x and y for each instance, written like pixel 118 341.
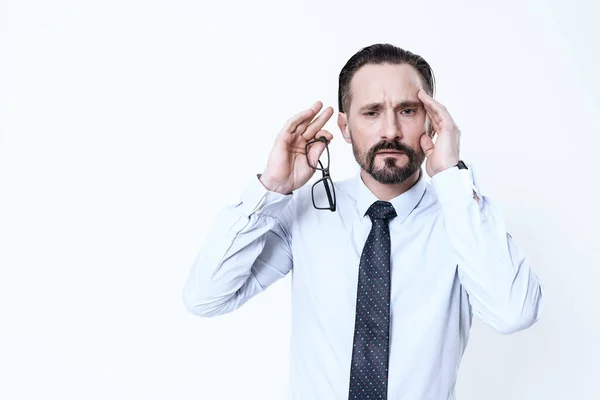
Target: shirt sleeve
pixel 503 290
pixel 248 249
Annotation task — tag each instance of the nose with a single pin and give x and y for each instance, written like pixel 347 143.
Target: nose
pixel 392 130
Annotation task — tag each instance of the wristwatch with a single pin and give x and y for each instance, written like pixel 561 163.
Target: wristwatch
pixel 461 165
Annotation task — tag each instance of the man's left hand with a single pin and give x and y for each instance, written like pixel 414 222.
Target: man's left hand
pixel 444 153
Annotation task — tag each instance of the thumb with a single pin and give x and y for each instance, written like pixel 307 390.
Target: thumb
pixel 427 145
pixel 314 153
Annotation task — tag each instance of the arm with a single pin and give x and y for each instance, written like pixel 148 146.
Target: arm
pixel 250 245
pixel 503 290
pixel 247 250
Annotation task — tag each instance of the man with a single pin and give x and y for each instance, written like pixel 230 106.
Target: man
pixel 384 287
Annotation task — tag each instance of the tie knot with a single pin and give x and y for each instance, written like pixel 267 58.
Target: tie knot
pixel 381 210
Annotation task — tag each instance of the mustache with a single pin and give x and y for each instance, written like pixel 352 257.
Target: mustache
pixel 388 145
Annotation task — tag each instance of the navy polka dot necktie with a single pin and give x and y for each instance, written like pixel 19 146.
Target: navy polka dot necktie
pixel 369 369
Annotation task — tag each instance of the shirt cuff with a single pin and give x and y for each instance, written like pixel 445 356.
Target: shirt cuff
pixel 453 184
pixel 256 199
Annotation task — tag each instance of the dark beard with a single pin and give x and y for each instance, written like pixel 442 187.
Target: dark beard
pixel 390 173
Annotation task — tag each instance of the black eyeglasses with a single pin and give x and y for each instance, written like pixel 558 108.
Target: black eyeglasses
pixel 323 193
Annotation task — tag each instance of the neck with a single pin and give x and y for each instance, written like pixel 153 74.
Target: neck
pixel 387 192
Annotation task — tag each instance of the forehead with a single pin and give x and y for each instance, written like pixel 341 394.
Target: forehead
pixel 384 83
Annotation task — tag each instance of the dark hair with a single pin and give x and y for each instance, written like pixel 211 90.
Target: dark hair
pixel 381 54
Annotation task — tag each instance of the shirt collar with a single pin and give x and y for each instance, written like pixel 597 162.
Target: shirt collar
pixel 403 204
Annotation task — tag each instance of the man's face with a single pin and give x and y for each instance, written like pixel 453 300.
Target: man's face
pixel 385 121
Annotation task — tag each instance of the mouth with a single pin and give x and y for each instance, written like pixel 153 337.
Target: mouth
pixel 389 153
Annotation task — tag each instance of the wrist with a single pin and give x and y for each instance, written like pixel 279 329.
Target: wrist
pixel 270 185
pixel 457 164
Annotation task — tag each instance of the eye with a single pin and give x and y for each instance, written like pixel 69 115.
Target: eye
pixel 370 113
pixel 409 111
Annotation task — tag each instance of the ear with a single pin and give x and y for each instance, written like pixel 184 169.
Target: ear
pixel 342 122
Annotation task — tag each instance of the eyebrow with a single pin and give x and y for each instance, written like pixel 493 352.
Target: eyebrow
pixel 379 106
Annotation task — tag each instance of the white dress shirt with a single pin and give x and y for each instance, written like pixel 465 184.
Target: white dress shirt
pixel 451 257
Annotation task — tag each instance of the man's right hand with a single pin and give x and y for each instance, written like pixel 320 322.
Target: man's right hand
pixel 287 169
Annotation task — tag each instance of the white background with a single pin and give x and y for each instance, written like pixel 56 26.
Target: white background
pixel 125 125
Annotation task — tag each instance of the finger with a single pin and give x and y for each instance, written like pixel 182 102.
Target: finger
pixel 429 128
pixel 435 108
pixel 305 116
pixel 318 124
pixel 434 126
pixel 427 145
pixel 430 101
pixel 315 151
pixel 300 129
pixel 321 134
pixel 326 134
pixel 433 113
